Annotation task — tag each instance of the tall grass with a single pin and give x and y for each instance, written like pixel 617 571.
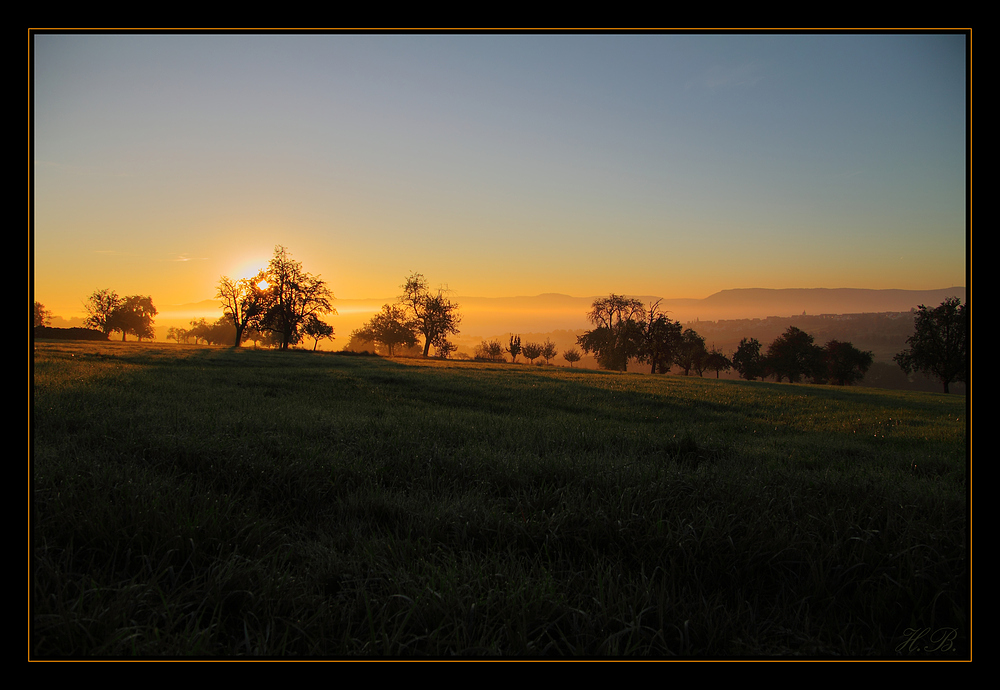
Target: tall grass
pixel 209 502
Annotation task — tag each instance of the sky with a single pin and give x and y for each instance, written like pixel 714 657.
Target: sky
pixel 675 165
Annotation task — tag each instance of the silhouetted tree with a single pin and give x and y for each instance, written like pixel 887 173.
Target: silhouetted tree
pixel 716 361
pixel 253 335
pixel 549 350
pixel 101 309
pixel 661 341
pixel 389 328
pixel 360 341
pixel 244 302
pixel 221 331
pixel 748 360
pixel 200 330
pixel 572 355
pixel 691 353
pixel 618 333
pixel 294 296
pixel 317 330
pixel 134 315
pixel 490 351
pixel 433 315
pixel 532 351
pixel 444 348
pixel 793 355
pixel 939 346
pixel 514 349
pixel 178 334
pixel 846 364
pixel 40 316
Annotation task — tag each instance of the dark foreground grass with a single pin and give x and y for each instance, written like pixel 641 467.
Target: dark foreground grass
pixel 206 502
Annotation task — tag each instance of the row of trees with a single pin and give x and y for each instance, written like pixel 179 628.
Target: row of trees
pixel 939 347
pixel 626 329
pixel 280 306
pixel 223 332
pixel 418 312
pixel 493 351
pixel 283 303
pixel 109 313
pixel 794 356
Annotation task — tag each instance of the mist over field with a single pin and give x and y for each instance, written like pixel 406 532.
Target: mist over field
pixel 484 317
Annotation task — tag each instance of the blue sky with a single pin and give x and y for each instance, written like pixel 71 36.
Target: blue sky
pixel 514 164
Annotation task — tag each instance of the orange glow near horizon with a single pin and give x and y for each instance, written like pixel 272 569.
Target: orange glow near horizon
pixel 581 165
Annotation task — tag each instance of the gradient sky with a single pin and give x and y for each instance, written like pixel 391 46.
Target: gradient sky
pixel 675 165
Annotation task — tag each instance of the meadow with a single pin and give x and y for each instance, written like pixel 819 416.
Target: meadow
pixel 210 502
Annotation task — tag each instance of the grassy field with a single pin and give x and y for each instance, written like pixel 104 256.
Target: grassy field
pixel 212 502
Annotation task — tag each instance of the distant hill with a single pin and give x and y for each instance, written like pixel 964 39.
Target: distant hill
pixel 750 303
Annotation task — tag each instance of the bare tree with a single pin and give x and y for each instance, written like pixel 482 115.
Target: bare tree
pixel 295 295
pixel 549 350
pixel 317 329
pixel 244 302
pixel 433 315
pixel 101 307
pixel 40 316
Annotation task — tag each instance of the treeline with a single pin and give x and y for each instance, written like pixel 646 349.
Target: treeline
pixel 40 318
pixel 49 333
pixel 222 331
pixel 279 307
pixel 282 305
pixel 795 356
pixel 493 351
pixel 107 313
pixel 132 315
pixel 884 333
pixel 626 329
